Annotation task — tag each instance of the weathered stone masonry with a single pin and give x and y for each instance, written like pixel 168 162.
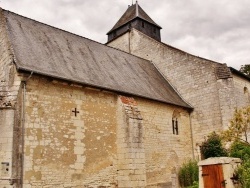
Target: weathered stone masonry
pixel 86 137
pixel 208 86
pixel 9 87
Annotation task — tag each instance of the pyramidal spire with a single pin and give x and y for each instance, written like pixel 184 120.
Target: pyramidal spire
pixel 136 9
pixel 135 17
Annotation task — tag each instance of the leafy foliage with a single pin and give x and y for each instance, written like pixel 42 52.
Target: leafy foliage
pixel 240 150
pixel 237 132
pixel 245 69
pixel 243 173
pixel 239 126
pixel 212 147
pixel 189 174
pixel 195 185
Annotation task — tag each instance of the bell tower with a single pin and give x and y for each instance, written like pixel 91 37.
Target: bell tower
pixel 135 17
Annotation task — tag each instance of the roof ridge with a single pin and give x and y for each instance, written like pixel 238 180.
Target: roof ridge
pixel 73 34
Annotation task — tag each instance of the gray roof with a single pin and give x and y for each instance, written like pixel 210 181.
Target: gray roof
pixel 134 11
pixel 49 51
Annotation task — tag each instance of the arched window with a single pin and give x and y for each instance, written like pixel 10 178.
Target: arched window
pixel 245 90
pixel 175 122
pixel 175 126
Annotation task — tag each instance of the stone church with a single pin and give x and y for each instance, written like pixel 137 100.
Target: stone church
pixel 76 113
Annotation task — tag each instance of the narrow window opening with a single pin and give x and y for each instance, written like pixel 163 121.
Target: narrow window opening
pixel 175 122
pixel 245 90
pixel 175 126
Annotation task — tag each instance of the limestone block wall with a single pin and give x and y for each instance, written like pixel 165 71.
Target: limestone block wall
pixel 242 90
pixel 193 77
pixel 227 100
pixel 164 151
pixel 77 137
pixel 130 141
pixel 9 88
pixel 6 136
pixel 123 42
pixel 70 136
pixel 9 85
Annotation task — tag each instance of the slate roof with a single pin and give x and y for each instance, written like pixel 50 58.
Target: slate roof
pixel 134 11
pixel 45 50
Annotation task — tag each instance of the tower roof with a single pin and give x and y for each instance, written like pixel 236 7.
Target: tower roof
pixel 134 11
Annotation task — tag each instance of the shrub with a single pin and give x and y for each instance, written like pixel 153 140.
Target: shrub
pixel 240 150
pixel 243 173
pixel 212 147
pixel 188 174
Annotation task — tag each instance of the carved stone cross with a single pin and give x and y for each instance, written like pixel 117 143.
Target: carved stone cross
pixel 75 112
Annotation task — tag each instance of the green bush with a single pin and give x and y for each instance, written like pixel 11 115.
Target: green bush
pixel 243 173
pixel 195 185
pixel 212 147
pixel 189 174
pixel 240 150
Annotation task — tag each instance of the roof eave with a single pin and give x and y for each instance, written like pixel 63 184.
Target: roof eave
pixel 113 29
pixel 233 70
pixel 22 69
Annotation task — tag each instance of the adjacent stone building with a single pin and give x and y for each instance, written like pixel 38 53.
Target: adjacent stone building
pixel 77 113
pixel 211 88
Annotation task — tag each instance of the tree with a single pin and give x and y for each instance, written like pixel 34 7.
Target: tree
pixel 239 126
pixel 212 147
pixel 245 69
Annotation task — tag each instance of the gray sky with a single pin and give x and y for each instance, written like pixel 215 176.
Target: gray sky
pixel 218 30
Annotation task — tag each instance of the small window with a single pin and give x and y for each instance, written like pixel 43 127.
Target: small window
pixel 142 24
pixel 175 122
pixel 175 126
pixel 245 90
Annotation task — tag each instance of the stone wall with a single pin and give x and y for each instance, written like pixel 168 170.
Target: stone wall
pixel 77 136
pixel 70 136
pixel 165 152
pixel 9 87
pixel 6 136
pixel 206 85
pixel 241 90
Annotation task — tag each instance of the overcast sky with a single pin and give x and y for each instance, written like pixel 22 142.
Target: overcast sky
pixel 218 30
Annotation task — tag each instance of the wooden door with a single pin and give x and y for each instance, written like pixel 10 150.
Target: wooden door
pixel 213 176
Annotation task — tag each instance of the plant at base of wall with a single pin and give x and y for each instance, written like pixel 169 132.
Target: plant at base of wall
pixel 241 150
pixel 189 174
